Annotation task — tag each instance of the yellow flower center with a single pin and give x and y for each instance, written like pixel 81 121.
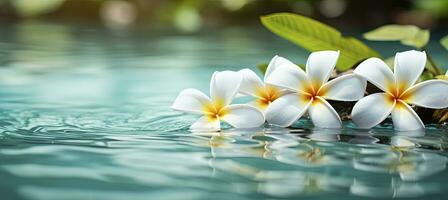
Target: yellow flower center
pixel 397 91
pixel 215 110
pixel 311 91
pixel 267 95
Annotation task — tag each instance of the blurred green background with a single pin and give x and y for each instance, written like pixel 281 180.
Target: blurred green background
pixel 194 15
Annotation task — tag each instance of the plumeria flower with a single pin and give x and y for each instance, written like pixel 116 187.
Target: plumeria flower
pixel 399 92
pixel 263 93
pixel 310 90
pixel 223 87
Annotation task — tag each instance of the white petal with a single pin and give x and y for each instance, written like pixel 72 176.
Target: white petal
pixel 408 67
pixel 285 110
pixel 257 105
pixel 224 86
pixel 378 73
pixel 323 114
pixel 276 62
pixel 405 119
pixel 349 87
pixel 251 82
pixel 191 100
pixel 243 116
pixel 319 66
pixel 292 78
pixel 372 110
pixel 206 124
pixel 429 94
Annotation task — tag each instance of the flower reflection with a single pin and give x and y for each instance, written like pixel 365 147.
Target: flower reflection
pixel 291 163
pixel 287 184
pixel 314 155
pixel 306 155
pixel 401 159
pixel 392 188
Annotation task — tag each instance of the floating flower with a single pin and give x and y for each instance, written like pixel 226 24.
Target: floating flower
pixel 263 93
pixel 223 87
pixel 399 92
pixel 310 89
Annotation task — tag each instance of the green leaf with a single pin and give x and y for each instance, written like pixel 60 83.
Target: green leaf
pixel 407 34
pixel 28 8
pixel 442 77
pixel 262 67
pixel 426 75
pixel 316 36
pixel 444 42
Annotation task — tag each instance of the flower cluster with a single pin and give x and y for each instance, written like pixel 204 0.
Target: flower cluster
pixel 287 93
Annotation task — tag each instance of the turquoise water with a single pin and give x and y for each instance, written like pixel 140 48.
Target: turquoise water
pixel 84 114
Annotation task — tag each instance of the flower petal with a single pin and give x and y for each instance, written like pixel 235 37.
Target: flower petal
pixel 191 100
pixel 206 124
pixel 378 73
pixel 323 114
pixel 276 62
pixel 319 66
pixel 224 86
pixel 256 103
pixel 285 110
pixel 405 118
pixel 243 116
pixel 408 67
pixel 251 83
pixel 290 77
pixel 429 94
pixel 372 110
pixel 349 87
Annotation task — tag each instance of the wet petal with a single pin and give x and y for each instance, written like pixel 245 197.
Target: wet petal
pixel 372 110
pixel 191 100
pixel 224 86
pixel 319 66
pixel 243 116
pixel 323 114
pixel 289 77
pixel 349 87
pixel 428 94
pixel 287 109
pixel 251 83
pixel 206 124
pixel 408 67
pixel 405 118
pixel 378 73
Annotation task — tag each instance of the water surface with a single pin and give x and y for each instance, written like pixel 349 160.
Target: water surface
pixel 84 114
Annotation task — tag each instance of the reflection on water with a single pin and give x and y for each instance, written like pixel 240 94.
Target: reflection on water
pixel 84 114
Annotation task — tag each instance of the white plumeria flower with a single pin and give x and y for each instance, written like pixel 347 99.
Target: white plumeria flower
pixel 223 87
pixel 310 89
pixel 399 91
pixel 263 93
